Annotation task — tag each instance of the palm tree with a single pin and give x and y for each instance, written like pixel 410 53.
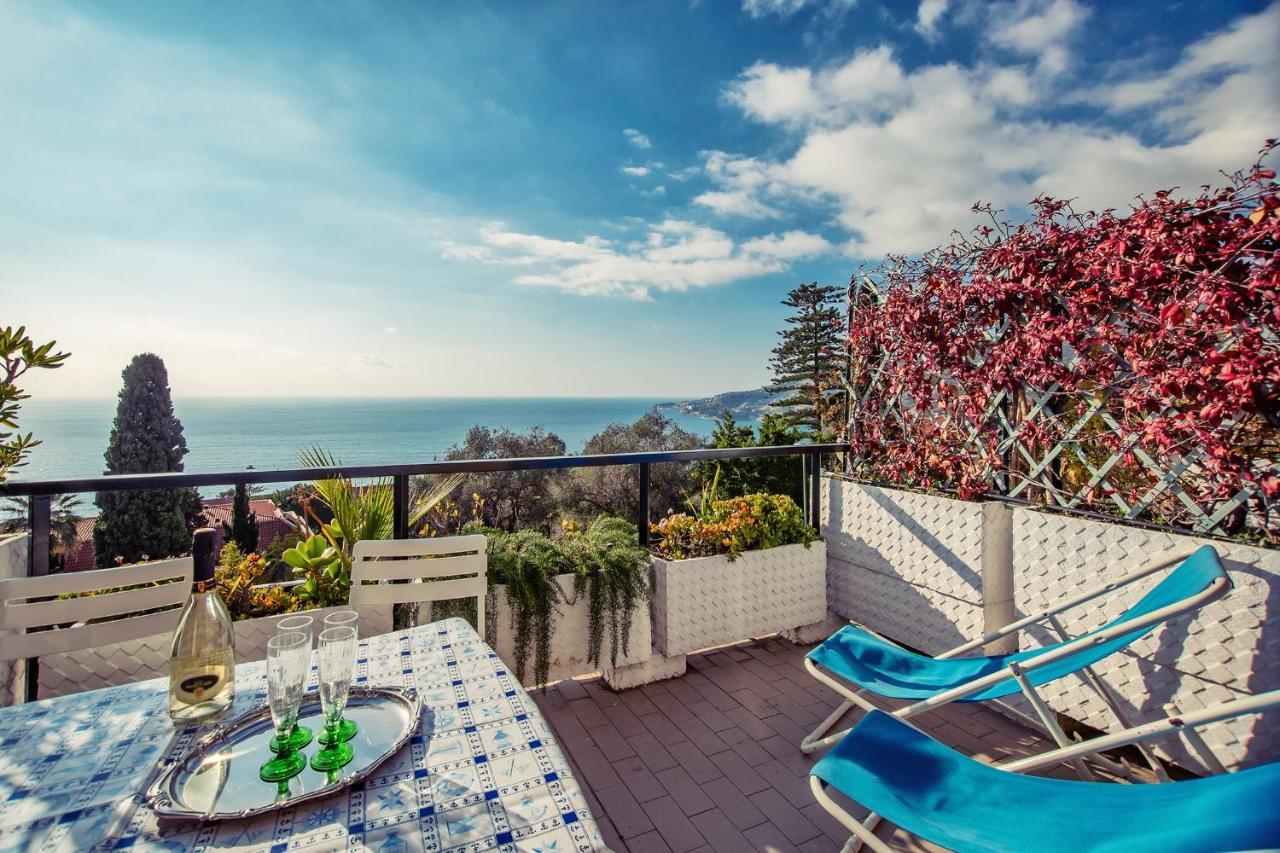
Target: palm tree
pixel 64 513
pixel 366 512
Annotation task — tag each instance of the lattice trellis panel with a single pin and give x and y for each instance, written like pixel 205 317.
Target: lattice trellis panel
pixel 903 564
pixel 1040 432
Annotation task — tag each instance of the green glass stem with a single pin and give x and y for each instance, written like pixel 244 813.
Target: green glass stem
pixel 287 763
pixel 298 738
pixel 337 752
pixel 346 731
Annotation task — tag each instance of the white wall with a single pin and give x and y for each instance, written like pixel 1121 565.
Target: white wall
pixel 905 565
pixel 1229 648
pixel 13 564
pixel 909 566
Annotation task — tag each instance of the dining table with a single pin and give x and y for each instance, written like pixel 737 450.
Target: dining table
pixel 482 771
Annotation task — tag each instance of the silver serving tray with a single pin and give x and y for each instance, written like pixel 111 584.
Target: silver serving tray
pixel 217 779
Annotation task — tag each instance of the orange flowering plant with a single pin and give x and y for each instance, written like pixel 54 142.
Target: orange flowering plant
pixel 731 526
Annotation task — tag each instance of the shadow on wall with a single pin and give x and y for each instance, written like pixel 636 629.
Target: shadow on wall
pixel 873 592
pixel 1264 674
pixel 1162 677
pixel 948 557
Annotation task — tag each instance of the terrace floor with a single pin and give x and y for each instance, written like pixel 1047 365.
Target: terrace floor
pixel 711 760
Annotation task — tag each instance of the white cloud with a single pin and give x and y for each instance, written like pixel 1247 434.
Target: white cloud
pixel 868 81
pixel 902 154
pixel 740 183
pixel 674 255
pixel 792 244
pixel 786 8
pixel 659 190
pixel 927 16
pixel 375 361
pixel 1037 28
pixel 391 330
pixel 637 138
pixel 635 171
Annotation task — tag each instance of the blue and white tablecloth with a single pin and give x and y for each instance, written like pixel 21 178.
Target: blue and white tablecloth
pixel 488 774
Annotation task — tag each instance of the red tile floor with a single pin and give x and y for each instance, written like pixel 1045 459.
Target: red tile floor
pixel 711 760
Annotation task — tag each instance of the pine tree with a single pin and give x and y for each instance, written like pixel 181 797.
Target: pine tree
pixel 244 524
pixel 769 474
pixel 809 360
pixel 146 438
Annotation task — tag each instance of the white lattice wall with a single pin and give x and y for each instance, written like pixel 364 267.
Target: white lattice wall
pixel 138 660
pixel 909 566
pixel 1229 648
pixel 905 565
pixel 13 564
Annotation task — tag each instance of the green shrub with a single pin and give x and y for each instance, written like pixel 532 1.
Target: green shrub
pixel 731 526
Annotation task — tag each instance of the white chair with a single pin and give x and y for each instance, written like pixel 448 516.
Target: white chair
pixel 34 621
pixel 406 571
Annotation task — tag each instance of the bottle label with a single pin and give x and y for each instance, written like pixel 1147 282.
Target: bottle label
pixel 199 688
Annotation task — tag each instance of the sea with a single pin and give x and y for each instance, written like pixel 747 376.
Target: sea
pixel 231 433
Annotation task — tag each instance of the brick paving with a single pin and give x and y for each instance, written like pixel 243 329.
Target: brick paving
pixel 711 760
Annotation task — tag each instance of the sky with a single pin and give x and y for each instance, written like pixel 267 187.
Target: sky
pixel 567 199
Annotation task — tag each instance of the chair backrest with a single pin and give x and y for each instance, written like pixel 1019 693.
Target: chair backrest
pixel 1198 579
pixel 143 600
pixel 387 571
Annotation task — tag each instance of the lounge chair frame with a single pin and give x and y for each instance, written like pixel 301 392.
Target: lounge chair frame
pixel 819 739
pixel 1183 725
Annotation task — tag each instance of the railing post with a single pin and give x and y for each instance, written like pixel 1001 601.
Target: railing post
pixel 642 513
pixel 37 566
pixel 815 491
pixel 400 506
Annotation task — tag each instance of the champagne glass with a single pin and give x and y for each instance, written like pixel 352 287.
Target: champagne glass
pixel 301 735
pixel 288 659
pixel 341 619
pixel 337 667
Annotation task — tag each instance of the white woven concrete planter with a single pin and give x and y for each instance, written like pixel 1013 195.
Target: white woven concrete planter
pixel 569 636
pixel 710 601
pixel 138 660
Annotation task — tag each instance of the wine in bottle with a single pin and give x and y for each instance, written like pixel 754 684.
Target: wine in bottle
pixel 202 663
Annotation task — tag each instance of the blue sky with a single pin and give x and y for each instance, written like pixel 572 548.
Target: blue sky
pixel 578 198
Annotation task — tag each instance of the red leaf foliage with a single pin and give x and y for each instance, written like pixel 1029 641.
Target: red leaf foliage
pixel 1165 319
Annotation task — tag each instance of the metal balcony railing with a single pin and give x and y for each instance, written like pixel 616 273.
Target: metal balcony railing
pixel 42 491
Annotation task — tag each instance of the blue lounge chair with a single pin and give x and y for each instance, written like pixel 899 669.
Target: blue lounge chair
pixel 856 662
pixel 948 799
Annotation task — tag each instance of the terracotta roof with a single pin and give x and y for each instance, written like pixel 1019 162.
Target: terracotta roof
pixel 218 510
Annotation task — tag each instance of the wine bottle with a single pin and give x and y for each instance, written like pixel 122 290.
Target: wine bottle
pixel 202 660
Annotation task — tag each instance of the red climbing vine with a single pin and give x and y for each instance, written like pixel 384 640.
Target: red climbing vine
pixel 1125 362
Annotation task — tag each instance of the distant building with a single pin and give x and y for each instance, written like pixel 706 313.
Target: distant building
pixel 272 525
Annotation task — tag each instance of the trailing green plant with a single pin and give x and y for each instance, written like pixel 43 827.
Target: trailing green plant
pixel 527 562
pixel 731 526
pixel 613 570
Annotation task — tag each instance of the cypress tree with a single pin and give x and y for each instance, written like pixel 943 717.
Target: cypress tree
pixel 808 362
pixel 146 438
pixel 244 524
